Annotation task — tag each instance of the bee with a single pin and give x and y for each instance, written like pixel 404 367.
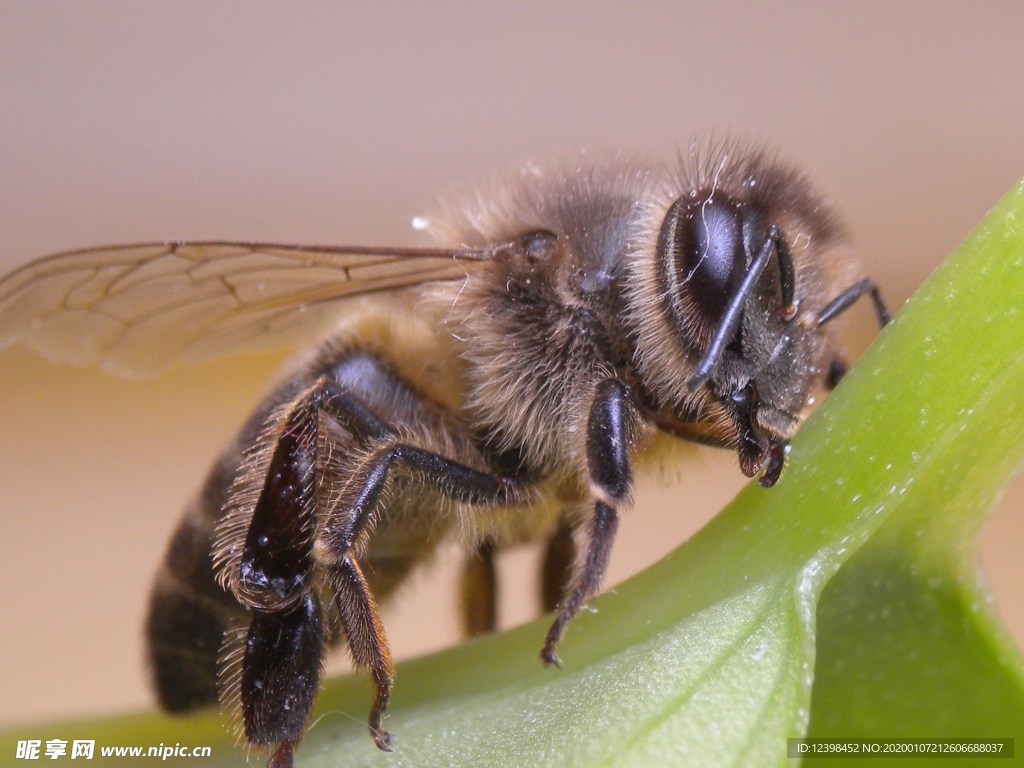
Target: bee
pixel 573 325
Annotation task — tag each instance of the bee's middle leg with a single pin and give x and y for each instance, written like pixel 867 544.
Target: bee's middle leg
pixel 341 540
pixel 366 641
pixel 478 596
pixel 556 567
pixel 450 479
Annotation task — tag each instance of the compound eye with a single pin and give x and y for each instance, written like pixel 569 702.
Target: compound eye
pixel 706 246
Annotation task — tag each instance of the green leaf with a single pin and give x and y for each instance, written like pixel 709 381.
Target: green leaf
pixel 843 602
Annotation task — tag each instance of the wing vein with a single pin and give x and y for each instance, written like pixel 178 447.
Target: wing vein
pixel 138 309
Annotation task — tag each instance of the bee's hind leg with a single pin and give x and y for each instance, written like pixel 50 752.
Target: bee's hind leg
pixel 276 672
pixel 280 679
pixel 280 665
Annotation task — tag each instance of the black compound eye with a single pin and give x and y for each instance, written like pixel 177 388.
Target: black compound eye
pixel 706 243
pixel 712 256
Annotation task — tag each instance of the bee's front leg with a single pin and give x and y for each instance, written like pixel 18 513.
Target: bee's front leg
pixel 837 368
pixel 844 300
pixel 611 482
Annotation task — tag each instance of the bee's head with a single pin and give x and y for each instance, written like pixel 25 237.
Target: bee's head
pixel 739 273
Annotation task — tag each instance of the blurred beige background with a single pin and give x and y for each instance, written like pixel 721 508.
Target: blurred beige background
pixel 122 122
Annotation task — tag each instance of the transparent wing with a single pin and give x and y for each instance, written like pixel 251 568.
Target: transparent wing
pixel 135 310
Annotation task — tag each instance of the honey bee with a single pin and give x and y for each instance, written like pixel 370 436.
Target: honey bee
pixel 573 325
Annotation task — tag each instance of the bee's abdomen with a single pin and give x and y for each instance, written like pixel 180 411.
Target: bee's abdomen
pixel 189 612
